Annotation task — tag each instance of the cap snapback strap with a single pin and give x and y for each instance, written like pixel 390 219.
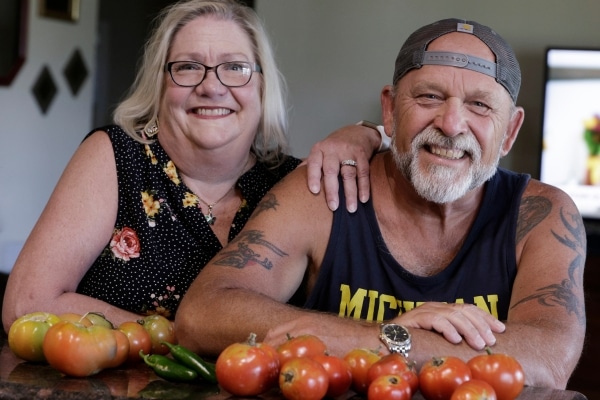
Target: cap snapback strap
pixel 459 60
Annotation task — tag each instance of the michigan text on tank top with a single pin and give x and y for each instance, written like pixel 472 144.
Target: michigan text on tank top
pixel 360 279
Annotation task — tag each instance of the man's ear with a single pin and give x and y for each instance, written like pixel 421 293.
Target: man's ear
pixel 387 108
pixel 512 130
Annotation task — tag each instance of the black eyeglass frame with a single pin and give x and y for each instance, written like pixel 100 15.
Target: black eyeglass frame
pixel 254 67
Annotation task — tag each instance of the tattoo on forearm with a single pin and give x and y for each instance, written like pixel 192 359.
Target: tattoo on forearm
pixel 533 210
pixel 269 202
pixel 563 294
pixel 244 255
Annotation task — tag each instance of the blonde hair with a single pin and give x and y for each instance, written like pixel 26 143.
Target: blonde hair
pixel 143 100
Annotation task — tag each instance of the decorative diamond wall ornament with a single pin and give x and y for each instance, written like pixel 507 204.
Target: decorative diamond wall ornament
pixel 75 72
pixel 44 89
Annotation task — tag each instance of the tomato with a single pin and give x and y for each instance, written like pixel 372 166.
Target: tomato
pixel 76 318
pixel 360 360
pixel 502 371
pixel 389 387
pixel 338 372
pixel 78 350
pixel 248 368
pixel 395 364
pixel 121 349
pixel 475 389
pixel 139 339
pixel 303 378
pixel 160 330
pixel 300 346
pixel 26 335
pixel 99 319
pixel 440 376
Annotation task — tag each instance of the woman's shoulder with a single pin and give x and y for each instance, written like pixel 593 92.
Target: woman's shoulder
pixel 113 132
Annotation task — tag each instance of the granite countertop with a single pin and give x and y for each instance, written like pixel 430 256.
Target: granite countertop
pixel 24 380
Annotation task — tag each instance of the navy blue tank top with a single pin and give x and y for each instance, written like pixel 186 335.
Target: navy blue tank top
pixel 360 279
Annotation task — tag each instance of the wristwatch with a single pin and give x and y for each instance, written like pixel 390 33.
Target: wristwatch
pixel 396 338
pixel 385 139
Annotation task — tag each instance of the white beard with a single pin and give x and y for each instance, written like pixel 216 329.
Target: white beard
pixel 440 184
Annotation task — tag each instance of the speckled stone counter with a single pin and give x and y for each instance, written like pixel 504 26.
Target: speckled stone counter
pixel 23 380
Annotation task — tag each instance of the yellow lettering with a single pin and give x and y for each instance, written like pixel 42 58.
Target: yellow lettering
pixel 383 299
pixel 492 299
pixel 373 294
pixel 408 305
pixel 351 306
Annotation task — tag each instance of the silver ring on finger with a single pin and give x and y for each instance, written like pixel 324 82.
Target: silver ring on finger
pixel 351 163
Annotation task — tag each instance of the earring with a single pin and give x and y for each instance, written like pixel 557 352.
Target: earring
pixel 151 128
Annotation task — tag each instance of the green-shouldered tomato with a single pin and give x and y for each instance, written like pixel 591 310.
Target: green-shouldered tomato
pixel 26 335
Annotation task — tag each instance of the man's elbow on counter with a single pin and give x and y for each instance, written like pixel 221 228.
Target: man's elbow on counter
pixel 555 373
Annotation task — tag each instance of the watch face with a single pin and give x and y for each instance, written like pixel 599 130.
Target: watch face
pixel 395 333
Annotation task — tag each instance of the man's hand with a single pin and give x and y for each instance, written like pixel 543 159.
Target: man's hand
pixel 455 322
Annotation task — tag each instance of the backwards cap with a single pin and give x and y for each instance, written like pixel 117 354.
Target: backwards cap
pixel 505 70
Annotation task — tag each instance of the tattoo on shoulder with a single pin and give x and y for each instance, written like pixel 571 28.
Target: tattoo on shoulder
pixel 244 255
pixel 532 211
pixel 269 202
pixel 563 294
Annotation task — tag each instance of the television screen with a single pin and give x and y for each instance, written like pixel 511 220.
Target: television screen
pixel 570 157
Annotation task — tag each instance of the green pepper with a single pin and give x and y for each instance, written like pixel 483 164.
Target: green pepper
pixel 205 369
pixel 168 369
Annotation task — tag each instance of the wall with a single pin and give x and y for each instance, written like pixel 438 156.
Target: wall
pixel 35 146
pixel 337 54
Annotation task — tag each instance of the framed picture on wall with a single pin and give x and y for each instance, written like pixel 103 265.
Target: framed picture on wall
pixel 67 10
pixel 13 41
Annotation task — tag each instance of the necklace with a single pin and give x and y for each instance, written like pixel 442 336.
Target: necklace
pixel 210 218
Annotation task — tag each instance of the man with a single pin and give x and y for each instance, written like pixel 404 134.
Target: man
pixel 449 245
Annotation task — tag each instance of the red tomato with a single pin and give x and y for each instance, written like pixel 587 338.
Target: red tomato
pixel 395 364
pixel 80 351
pixel 440 376
pixel 360 360
pixel 300 346
pixel 338 372
pixel 303 379
pixel 502 371
pixel 247 369
pixel 121 349
pixel 139 339
pixel 475 389
pixel 389 387
pixel 160 330
pixel 26 335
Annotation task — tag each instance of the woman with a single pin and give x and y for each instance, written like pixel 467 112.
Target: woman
pixel 144 204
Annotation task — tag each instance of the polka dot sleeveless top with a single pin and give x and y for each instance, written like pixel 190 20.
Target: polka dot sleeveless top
pixel 161 239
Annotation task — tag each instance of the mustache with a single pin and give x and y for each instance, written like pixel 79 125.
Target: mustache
pixel 432 137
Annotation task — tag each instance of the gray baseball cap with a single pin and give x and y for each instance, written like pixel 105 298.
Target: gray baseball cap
pixel 414 54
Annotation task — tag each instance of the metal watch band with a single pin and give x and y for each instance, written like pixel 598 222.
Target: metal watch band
pixel 399 349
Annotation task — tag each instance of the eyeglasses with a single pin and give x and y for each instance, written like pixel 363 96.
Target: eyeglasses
pixel 230 74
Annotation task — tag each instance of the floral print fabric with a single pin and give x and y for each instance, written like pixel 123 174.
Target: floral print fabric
pixel 161 239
